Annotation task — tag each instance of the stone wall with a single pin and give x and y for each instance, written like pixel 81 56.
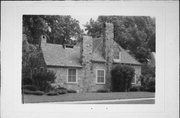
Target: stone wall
pixel 62 78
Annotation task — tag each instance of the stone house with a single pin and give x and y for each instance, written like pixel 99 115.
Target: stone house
pixel 87 67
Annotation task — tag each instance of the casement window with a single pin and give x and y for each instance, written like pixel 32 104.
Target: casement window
pixel 117 55
pixel 72 76
pixel 134 80
pixel 100 76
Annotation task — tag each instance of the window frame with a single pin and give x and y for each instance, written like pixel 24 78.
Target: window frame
pixel 68 75
pixel 119 52
pixel 134 80
pixel 97 76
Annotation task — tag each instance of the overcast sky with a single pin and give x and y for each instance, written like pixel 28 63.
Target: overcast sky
pixel 84 19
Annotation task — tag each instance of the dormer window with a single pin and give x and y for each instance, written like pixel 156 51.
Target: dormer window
pixel 117 55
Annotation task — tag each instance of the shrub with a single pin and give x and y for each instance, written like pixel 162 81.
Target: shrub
pixel 43 80
pixel 30 87
pixel 26 81
pixel 151 85
pixel 25 91
pixel 71 91
pixel 52 93
pixel 61 91
pixel 102 91
pixel 134 88
pixel 122 76
pixel 148 83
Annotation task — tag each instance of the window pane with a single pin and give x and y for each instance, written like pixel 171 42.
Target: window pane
pixel 100 76
pixel 72 75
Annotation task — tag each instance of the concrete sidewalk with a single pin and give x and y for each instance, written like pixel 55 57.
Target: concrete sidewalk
pixel 118 101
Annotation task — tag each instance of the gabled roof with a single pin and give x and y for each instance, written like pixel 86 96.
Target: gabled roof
pixel 126 58
pixel 56 55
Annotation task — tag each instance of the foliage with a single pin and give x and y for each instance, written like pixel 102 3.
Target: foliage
pixel 71 91
pixel 122 76
pixel 25 91
pixel 52 93
pixel 60 29
pixel 30 87
pixel 43 80
pixel 27 81
pixel 133 33
pixel 148 83
pixel 136 88
pixel 102 91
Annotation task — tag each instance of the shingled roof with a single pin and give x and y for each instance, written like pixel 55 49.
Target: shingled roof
pixel 56 55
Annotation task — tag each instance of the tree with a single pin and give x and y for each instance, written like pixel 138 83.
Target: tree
pixel 133 33
pixel 122 76
pixel 60 29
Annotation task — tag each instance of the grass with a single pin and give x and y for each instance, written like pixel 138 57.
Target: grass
pixel 87 96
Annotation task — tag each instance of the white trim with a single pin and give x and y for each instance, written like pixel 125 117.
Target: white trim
pixel 68 74
pixel 97 76
pixel 117 60
pixel 134 79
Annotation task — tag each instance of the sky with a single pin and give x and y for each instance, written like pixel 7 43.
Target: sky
pixel 84 19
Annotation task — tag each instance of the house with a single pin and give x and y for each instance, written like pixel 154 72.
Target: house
pixel 87 67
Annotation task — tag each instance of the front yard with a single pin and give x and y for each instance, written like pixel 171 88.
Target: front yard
pixel 87 96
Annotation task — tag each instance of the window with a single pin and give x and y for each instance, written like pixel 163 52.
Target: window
pixel 134 80
pixel 100 76
pixel 71 75
pixel 117 55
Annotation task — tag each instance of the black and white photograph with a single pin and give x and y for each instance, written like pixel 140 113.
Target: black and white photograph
pixel 89 59
pixel 107 60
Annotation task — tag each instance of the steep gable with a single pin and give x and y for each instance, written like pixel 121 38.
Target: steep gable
pixel 126 58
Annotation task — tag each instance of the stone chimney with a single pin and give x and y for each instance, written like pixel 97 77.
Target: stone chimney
pixel 108 39
pixel 86 56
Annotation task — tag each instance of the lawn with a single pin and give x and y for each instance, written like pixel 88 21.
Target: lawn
pixel 87 96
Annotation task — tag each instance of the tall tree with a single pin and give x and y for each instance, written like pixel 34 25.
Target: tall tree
pixel 134 33
pixel 60 29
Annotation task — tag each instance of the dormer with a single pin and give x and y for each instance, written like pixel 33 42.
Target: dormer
pixel 68 46
pixel 117 55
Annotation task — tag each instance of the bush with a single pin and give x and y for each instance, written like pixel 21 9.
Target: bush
pixel 29 92
pixel 52 93
pixel 122 76
pixel 134 88
pixel 102 91
pixel 43 80
pixel 61 91
pixel 71 91
pixel 26 81
pixel 148 83
pixel 151 85
pixel 30 87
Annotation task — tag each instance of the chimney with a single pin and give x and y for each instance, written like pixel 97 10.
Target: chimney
pixel 86 56
pixel 86 49
pixel 108 38
pixel 43 40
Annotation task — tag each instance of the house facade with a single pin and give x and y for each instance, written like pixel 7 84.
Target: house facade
pixel 87 67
